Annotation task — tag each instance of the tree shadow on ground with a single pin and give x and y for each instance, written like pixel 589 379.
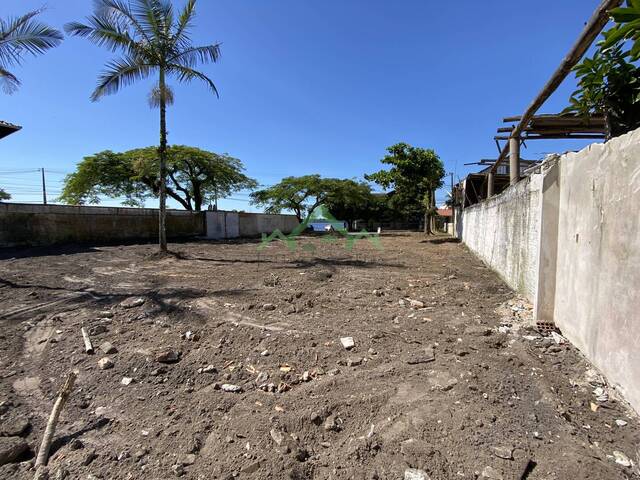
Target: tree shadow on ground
pixel 440 241
pixel 60 442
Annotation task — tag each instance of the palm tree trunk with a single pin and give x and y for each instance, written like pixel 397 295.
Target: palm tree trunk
pixel 162 153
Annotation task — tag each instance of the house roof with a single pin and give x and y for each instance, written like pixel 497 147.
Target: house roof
pixel 444 212
pixel 7 128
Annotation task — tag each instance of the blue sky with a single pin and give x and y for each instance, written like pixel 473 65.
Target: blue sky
pixel 305 87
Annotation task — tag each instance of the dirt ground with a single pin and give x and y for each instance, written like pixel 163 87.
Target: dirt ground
pixel 447 379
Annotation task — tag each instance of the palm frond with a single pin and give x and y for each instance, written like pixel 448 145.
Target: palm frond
pixel 185 18
pixel 105 31
pixel 157 95
pixel 122 11
pixel 194 55
pixel 186 75
pixel 8 81
pixel 120 73
pixel 23 34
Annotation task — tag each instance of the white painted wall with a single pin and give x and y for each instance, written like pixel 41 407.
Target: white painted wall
pixel 569 239
pixel 503 231
pixel 597 297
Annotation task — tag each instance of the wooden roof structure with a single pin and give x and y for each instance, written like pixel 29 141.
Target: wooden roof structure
pixel 7 128
pixel 551 126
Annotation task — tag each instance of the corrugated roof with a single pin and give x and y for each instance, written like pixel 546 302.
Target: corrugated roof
pixel 7 128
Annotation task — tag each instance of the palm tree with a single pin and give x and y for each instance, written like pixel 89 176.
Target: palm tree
pixel 152 41
pixel 19 36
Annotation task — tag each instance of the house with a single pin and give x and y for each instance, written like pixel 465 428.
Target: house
pixel 7 128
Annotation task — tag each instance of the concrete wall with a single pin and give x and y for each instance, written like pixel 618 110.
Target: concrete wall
pixel 222 224
pixel 569 239
pixel 503 231
pixel 37 225
pixel 255 224
pixel 597 283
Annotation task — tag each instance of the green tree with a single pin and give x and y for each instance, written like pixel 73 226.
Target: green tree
pixel 350 200
pixel 608 85
pixel 153 40
pixel 414 176
pixel 627 28
pixel 302 195
pixel 4 195
pixel 195 177
pixel 19 36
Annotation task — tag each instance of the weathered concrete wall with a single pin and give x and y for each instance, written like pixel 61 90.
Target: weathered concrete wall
pixel 503 231
pixel 255 224
pixel 597 288
pixel 221 224
pixel 38 225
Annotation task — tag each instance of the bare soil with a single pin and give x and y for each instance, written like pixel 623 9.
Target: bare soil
pixel 447 375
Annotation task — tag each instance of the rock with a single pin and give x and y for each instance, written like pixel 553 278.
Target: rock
pixel 61 474
pixel 503 452
pixel 306 376
pixel 188 459
pixel 265 353
pixel 277 436
pixel 331 424
pixel 622 459
pixel 252 468
pixel 478 331
pixel 416 474
pixel 107 348
pixel 347 342
pixel 262 378
pixel 89 457
pixel 209 369
pixel 98 329
pixel 424 357
pixel 132 302
pixel 105 363
pixel 126 381
pixel 227 387
pixel 601 394
pixel 492 473
pixel 354 362
pixel 76 444
pixel 11 448
pixel 14 427
pixel 178 470
pixel 167 355
pixel 416 303
pixel 105 314
pixel 621 423
pixel 269 307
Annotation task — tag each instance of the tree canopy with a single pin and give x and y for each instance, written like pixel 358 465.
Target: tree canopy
pixel 609 81
pixel 4 195
pixel 304 194
pixel 19 36
pixel 195 177
pixel 414 175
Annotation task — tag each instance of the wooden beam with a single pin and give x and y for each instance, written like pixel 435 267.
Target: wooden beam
pixel 591 30
pixel 577 136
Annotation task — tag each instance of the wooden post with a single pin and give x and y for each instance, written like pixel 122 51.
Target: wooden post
pixel 88 347
pixel 63 396
pixel 490 185
pixel 514 160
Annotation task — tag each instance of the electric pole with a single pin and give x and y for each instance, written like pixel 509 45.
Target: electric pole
pixel 44 188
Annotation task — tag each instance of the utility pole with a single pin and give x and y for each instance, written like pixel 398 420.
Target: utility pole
pixel 44 188
pixel 453 205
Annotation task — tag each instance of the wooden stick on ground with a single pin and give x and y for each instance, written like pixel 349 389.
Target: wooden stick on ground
pixel 88 347
pixel 45 446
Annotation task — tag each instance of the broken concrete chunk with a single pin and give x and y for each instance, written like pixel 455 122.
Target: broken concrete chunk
pixel 354 362
pixel 167 356
pixel 107 348
pixel 347 342
pixel 269 307
pixel 622 459
pixel 416 303
pixel 503 452
pixel 105 363
pixel 228 387
pixel 416 474
pixel 331 424
pixel 132 302
pixel 621 423
pixel 126 381
pixel 277 436
pixel 105 314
